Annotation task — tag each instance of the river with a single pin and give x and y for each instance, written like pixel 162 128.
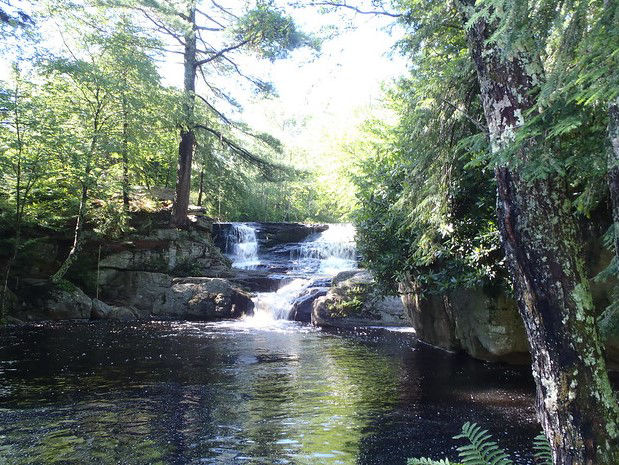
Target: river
pixel 262 390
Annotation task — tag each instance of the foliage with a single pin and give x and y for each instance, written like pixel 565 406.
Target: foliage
pixel 482 450
pixel 425 186
pixel 426 201
pixel 92 117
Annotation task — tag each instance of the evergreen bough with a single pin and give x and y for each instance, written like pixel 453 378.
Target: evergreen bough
pixel 482 450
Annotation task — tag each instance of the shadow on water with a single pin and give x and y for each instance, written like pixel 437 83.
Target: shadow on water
pixel 222 393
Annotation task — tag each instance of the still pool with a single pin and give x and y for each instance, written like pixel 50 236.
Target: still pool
pixel 245 392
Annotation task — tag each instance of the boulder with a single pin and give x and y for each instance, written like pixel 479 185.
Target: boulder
pixel 353 301
pixel 68 305
pixel 302 306
pixel 102 311
pixel 203 299
pixel 160 296
pixel 44 301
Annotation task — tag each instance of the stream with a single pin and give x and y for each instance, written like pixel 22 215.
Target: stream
pixel 261 390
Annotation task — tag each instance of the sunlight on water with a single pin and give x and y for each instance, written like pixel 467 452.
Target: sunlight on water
pixel 276 305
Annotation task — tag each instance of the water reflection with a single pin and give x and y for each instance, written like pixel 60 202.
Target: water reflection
pixel 227 393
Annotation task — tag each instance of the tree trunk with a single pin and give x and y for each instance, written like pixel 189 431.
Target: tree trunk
pixel 188 140
pixel 77 236
pixel 613 167
pixel 125 154
pixel 576 404
pixel 201 190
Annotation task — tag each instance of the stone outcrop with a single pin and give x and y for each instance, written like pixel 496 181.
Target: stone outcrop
pixel 44 301
pixel 139 295
pixel 102 311
pixel 161 296
pixel 270 235
pixel 173 251
pixel 352 301
pixel 302 306
pixel 143 276
pixel 485 326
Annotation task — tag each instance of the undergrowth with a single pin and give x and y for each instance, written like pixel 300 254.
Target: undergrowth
pixel 482 450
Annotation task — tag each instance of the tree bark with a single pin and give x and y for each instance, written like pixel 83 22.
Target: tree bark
pixel 81 212
pixel 188 140
pixel 613 167
pixel 575 402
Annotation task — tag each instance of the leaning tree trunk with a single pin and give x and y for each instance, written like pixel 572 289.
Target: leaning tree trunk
pixel 576 404
pixel 77 236
pixel 188 139
pixel 613 167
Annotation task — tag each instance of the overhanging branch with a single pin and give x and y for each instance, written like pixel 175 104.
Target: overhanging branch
pixel 266 167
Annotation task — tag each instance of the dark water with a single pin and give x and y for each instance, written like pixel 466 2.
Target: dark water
pixel 233 393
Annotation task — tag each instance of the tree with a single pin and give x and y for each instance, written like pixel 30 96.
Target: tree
pixel 22 161
pixel 263 29
pixel 516 49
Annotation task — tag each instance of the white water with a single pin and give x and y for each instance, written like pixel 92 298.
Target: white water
pixel 323 255
pixel 242 246
pixel 334 250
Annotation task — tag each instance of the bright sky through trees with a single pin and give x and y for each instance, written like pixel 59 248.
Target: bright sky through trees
pixel 328 88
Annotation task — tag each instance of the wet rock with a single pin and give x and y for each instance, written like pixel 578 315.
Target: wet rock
pixel 270 235
pixel 44 301
pixel 160 296
pixel 302 306
pixel 203 299
pixel 11 320
pixel 102 311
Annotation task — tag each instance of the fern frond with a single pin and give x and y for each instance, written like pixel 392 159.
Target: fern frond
pixel 481 450
pixel 425 461
pixel 542 450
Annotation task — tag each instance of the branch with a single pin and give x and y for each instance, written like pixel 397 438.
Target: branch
pixel 204 28
pixel 215 110
pixel 357 9
pixel 228 121
pixel 264 165
pixel 254 81
pixel 228 12
pixel 160 26
pixel 221 53
pixel 467 116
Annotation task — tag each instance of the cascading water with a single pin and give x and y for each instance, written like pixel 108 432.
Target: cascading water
pixel 332 251
pixel 322 256
pixel 242 246
pixel 269 306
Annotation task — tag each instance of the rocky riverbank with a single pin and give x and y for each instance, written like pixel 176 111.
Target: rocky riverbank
pixel 484 325
pixel 156 272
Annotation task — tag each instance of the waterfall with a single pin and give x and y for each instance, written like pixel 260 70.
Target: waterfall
pixel 242 246
pixel 332 251
pixel 322 255
pixel 276 305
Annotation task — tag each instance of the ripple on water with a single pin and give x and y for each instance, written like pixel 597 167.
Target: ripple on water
pixel 244 392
